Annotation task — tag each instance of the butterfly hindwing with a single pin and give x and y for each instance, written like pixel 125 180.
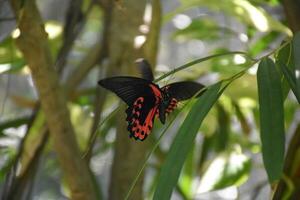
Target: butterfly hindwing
pixel 182 90
pixel 140 117
pixel 141 114
pixel 142 97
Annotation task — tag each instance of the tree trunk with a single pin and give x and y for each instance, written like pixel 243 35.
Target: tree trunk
pixel 130 154
pixel 33 44
pixel 292 12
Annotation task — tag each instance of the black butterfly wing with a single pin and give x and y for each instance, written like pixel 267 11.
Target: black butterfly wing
pixel 140 117
pixel 128 88
pixel 145 69
pixel 182 90
pixel 142 97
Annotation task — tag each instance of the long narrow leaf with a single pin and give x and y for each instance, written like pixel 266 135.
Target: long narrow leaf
pixel 183 142
pixel 271 118
pixel 296 49
pixel 291 79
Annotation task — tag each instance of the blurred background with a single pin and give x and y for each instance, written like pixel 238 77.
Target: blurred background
pixel 92 39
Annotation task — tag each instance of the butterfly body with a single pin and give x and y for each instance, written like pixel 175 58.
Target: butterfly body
pixel 146 100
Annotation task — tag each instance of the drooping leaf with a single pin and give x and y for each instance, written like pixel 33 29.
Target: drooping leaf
pixel 296 49
pixel 285 56
pixel 271 118
pixel 207 146
pixel 222 133
pixel 291 79
pixel 242 119
pixel 183 142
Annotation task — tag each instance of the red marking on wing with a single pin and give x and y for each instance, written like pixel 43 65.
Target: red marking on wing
pixel 141 131
pixel 171 106
pixel 156 92
pixel 137 129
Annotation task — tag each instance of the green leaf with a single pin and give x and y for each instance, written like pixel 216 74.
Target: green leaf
pixel 285 56
pixel 183 141
pixel 271 118
pixel 296 49
pixel 291 79
pixel 224 171
pixel 222 133
pixel 242 118
pixel 186 177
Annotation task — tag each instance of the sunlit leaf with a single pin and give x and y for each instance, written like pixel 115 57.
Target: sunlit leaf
pixel 225 170
pixel 183 142
pixel 271 118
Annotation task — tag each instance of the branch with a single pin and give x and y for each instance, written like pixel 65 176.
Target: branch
pixel 33 44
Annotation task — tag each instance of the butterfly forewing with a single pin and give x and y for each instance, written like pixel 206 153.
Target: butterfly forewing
pixel 145 69
pixel 127 88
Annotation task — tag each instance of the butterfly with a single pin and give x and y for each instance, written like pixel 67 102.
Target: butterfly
pixel 146 100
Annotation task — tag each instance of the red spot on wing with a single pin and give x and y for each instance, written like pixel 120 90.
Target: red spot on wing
pixel 172 105
pixel 140 130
